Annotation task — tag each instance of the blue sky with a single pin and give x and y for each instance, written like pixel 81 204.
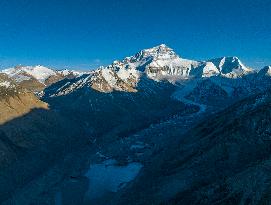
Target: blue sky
pixel 84 34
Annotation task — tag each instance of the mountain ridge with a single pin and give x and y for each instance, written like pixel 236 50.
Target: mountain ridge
pixel 36 78
pixel 161 63
pixel 158 63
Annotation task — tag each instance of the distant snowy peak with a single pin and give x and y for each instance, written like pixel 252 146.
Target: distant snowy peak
pixel 161 52
pixel 231 67
pixel 161 62
pixel 205 70
pixel 70 73
pixel 21 73
pixel 157 63
pixel 40 73
pixel 266 71
pixel 36 78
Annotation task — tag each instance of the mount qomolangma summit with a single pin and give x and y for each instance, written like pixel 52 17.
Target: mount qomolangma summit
pixel 153 128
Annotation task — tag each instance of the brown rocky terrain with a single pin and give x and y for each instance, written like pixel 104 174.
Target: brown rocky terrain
pixel 32 137
pixel 16 101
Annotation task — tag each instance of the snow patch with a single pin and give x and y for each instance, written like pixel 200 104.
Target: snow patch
pixel 109 77
pixel 5 84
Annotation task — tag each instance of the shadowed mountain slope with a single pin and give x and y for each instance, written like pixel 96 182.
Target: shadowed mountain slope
pixel 32 143
pixel 123 111
pixel 223 160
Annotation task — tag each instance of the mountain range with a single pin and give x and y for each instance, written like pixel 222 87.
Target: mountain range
pixel 36 78
pixel 159 63
pixel 200 129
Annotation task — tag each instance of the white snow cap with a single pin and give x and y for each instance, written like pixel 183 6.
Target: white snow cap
pixel 265 71
pixel 231 67
pixel 67 72
pixel 39 72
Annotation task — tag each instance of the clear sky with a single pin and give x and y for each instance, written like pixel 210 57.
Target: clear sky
pixel 86 33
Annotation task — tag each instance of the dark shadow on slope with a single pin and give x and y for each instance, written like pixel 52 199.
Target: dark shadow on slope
pixel 30 144
pixel 118 113
pixel 223 160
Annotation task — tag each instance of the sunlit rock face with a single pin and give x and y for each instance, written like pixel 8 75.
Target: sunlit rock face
pixel 16 101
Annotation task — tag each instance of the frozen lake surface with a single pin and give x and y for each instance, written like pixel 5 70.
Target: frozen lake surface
pixel 108 177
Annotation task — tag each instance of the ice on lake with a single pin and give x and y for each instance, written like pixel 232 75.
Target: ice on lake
pixel 108 177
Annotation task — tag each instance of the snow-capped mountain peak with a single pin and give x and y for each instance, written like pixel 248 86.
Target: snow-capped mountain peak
pixel 36 78
pixel 268 68
pixel 21 73
pixel 158 63
pixel 67 72
pixel 266 71
pixel 161 63
pixel 231 67
pixel 160 52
